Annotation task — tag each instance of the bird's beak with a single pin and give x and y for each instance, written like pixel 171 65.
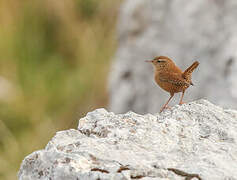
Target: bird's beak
pixel 150 61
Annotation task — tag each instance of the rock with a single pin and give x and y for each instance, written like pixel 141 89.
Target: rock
pixel 197 140
pixel 185 31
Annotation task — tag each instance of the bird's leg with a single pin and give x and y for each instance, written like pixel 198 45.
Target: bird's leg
pixel 181 99
pixel 165 105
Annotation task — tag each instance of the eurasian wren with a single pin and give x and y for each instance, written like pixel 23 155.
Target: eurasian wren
pixel 171 78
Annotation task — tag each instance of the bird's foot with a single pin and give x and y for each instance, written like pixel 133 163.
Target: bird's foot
pixel 180 103
pixel 165 107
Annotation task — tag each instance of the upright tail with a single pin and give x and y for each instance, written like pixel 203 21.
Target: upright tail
pixel 191 68
pixel 188 72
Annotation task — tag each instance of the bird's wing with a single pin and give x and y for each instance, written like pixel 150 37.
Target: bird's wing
pixel 173 78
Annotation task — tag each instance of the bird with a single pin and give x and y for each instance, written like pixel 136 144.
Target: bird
pixel 171 78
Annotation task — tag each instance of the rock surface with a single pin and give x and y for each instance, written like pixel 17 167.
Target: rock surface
pixel 203 30
pixel 197 140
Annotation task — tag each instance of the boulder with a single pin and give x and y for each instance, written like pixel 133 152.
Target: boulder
pixel 197 140
pixel 185 31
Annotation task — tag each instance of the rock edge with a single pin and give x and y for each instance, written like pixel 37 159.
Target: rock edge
pixel 193 141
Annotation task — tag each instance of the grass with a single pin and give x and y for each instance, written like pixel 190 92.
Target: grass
pixel 54 61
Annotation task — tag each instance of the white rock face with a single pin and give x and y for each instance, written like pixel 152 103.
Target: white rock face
pixel 197 140
pixel 203 30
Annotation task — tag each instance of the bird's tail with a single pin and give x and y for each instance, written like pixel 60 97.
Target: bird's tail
pixel 189 70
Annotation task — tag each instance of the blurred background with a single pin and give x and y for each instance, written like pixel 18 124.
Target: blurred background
pixel 54 61
pixel 185 31
pixel 60 59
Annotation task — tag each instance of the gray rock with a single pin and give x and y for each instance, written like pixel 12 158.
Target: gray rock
pixel 185 31
pixel 196 140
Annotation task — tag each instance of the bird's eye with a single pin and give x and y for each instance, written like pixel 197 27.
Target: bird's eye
pixel 160 60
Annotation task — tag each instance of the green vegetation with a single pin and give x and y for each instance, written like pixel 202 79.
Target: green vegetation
pixel 54 61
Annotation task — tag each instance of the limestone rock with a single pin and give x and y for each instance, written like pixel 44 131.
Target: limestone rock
pixel 185 31
pixel 197 140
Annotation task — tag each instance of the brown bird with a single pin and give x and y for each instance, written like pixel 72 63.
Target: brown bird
pixel 171 78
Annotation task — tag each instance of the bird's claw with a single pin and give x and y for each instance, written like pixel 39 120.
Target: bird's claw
pixel 180 103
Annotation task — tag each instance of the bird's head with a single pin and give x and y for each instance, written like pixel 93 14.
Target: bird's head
pixel 161 62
